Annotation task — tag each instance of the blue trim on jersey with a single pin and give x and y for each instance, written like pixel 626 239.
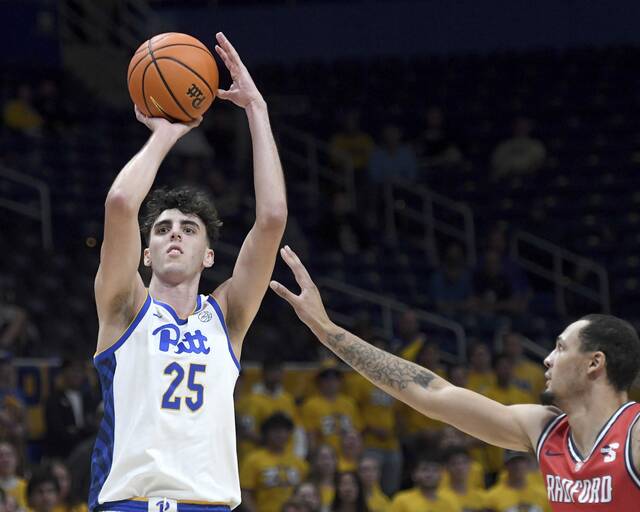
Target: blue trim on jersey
pixel 215 305
pixel 109 352
pixel 172 312
pixel 198 303
pixel 143 506
pixel 102 456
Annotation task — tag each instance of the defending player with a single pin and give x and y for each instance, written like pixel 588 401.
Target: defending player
pixel 587 443
pixel 168 357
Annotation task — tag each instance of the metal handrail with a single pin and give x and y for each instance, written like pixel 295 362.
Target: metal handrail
pixel 389 306
pixel 41 213
pixel 309 161
pixel 426 216
pixel 556 274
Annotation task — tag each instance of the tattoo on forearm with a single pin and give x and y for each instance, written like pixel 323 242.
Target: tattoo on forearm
pixel 378 365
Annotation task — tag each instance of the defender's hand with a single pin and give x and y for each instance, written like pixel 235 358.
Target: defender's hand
pixel 177 130
pixel 243 91
pixel 308 305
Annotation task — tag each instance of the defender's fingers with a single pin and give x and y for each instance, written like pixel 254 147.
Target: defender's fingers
pixel 302 275
pixel 283 292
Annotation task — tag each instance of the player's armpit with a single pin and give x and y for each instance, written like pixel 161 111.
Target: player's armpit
pixel 515 427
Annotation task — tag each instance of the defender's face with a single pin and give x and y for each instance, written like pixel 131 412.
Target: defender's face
pixel 178 246
pixel 567 364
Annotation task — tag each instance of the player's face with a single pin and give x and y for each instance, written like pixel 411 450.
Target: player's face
pixel 178 246
pixel 567 365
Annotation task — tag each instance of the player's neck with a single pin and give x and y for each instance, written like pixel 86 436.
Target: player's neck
pixel 589 414
pixel 181 297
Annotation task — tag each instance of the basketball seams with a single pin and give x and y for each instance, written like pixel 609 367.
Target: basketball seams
pixel 153 59
pixel 144 96
pixel 206 50
pixel 173 59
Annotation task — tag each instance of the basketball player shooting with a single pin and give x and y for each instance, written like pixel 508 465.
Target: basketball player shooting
pixel 587 442
pixel 168 357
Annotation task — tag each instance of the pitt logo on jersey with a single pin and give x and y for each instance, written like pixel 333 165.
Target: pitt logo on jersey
pixel 189 344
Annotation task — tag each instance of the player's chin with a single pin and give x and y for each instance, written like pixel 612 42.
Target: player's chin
pixel 548 397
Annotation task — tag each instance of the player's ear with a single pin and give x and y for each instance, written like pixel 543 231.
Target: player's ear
pixel 146 257
pixel 209 257
pixel 597 362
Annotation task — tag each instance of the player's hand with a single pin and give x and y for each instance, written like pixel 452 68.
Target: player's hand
pixel 243 90
pixel 176 130
pixel 308 305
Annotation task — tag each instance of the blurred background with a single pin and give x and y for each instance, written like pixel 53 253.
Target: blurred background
pixel 461 180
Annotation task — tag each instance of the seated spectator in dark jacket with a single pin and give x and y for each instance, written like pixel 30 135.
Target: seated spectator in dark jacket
pixel 436 145
pixel 450 287
pixel 69 411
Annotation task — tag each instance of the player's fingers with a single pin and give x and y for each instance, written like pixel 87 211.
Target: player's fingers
pixel 296 266
pixel 223 94
pixel 304 273
pixel 283 292
pixel 226 59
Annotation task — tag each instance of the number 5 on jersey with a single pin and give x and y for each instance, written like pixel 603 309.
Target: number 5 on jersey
pixel 170 402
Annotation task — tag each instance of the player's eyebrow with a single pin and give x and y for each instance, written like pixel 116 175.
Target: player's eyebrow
pixel 168 222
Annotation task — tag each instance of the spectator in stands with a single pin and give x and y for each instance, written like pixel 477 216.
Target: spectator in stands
pixel 393 159
pixel 13 326
pixel 494 294
pixel 481 376
pixel 429 356
pixel 66 501
pixel 269 396
pixel 51 106
pixel 20 114
pixel 369 473
pixel 458 374
pixel 13 425
pixel 43 491
pixel 458 464
pixel 351 449
pixel 269 475
pixel 308 493
pixel 408 337
pixel 69 411
pixel 519 154
pixel 11 483
pixel 341 229
pixel 517 492
pixel 497 241
pixel 528 375
pixel 450 286
pixel 425 495
pixel 349 494
pixel 327 415
pixel 351 146
pixel 506 392
pixel 247 434
pixel 452 439
pixel 324 464
pixel 378 411
pixel 436 145
pixel 295 505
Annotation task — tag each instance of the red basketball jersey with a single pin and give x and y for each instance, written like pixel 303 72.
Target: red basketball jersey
pixel 603 480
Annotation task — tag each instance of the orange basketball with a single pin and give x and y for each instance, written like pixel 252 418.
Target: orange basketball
pixel 173 76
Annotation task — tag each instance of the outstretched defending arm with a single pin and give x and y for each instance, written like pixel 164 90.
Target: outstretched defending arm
pixel 118 287
pixel 515 427
pixel 242 294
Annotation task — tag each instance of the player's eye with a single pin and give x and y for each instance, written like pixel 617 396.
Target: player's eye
pixel 189 230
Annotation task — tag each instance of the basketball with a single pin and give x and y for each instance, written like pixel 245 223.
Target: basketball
pixel 174 76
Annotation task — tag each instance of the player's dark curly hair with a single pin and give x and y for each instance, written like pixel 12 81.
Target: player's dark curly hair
pixel 619 342
pixel 188 200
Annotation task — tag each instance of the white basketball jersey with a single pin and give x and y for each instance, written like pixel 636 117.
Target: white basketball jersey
pixel 168 428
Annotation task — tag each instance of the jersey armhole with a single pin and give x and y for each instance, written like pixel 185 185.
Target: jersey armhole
pixel 628 454
pixel 211 300
pixel 551 424
pixel 127 333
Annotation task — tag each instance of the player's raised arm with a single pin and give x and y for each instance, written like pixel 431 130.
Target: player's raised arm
pixel 243 293
pixel 118 287
pixel 515 427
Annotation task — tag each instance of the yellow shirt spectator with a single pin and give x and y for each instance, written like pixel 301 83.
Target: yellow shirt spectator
pixel 17 489
pixel 355 147
pixel 530 378
pixel 248 429
pixel 265 403
pixel 414 500
pixel 326 419
pixel 480 382
pixel 378 501
pixel 377 411
pixel 271 477
pixel 502 498
pixel 476 477
pixel 471 501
